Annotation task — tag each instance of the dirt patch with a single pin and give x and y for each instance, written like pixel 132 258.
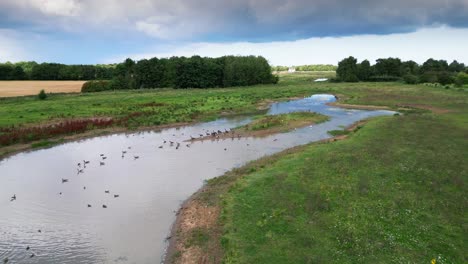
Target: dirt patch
pixel 433 109
pixel 194 217
pixel 363 107
pixel 22 88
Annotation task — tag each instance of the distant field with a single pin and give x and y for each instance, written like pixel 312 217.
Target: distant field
pixel 20 88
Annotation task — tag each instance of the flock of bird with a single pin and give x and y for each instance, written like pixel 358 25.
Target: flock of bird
pixel 81 166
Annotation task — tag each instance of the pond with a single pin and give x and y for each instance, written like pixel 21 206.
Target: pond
pixel 58 215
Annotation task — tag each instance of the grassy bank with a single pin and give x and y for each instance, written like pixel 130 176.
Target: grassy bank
pixel 394 191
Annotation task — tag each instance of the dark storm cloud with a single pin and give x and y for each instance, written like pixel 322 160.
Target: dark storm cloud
pixel 261 20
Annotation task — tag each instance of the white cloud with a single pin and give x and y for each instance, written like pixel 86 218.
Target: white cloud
pixel 57 7
pixel 10 47
pixel 440 43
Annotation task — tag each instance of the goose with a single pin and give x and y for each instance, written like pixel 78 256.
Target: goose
pixel 116 195
pixel 106 192
pixel 160 147
pixel 102 155
pixel 124 152
pixel 39 231
pixel 201 135
pixel 64 180
pixel 84 187
pixel 192 138
pixel 89 205
pixel 86 161
pixel 275 139
pixel 104 206
pixel 79 164
pixel 164 141
pixel 102 163
pixel 27 248
pixel 5 260
pixel 104 158
pixel 60 193
pixel 136 157
pixel 80 171
pixel 188 145
pixel 225 149
pixel 13 197
pixel 32 255
pixel 129 147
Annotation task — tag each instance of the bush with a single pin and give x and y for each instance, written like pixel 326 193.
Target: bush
pixel 461 79
pixel 97 86
pixel 411 79
pixel 42 95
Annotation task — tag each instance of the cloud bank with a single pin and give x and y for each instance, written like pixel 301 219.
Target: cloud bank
pixel 439 43
pixel 250 20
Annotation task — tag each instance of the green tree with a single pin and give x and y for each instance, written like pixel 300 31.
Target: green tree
pixel 42 95
pixel 347 70
pixel 364 70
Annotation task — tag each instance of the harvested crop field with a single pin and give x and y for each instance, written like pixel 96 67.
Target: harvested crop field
pixel 21 88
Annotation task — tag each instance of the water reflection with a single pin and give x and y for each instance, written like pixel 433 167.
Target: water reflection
pixel 134 225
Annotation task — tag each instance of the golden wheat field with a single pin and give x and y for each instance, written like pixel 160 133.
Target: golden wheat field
pixel 20 88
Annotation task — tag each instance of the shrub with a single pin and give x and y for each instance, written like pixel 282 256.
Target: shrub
pixel 461 79
pixel 42 95
pixel 97 86
pixel 411 79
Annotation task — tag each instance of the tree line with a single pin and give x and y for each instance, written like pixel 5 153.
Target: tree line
pixel 187 72
pixel 31 70
pixel 393 69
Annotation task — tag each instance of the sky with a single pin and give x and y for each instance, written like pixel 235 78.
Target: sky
pixel 286 32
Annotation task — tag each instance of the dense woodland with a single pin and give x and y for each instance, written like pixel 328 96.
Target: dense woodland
pixel 393 69
pixel 183 72
pixel 177 72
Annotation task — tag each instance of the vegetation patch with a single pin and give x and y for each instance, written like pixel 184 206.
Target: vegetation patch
pixel 283 122
pixel 339 132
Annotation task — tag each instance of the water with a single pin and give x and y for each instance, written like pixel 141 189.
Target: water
pixel 133 227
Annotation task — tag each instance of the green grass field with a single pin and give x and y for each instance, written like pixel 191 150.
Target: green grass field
pixel 394 192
